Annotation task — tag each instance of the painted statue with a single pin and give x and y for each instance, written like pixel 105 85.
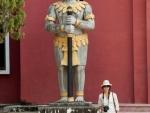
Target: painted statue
pixel 61 24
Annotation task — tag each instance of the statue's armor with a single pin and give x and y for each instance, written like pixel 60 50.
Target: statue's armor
pixel 55 22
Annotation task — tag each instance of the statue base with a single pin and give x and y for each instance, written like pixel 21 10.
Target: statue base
pixel 58 107
pixel 69 107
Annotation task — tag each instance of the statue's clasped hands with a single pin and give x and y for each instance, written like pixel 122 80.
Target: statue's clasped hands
pixel 70 24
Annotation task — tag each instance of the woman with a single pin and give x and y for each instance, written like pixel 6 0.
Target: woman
pixel 108 100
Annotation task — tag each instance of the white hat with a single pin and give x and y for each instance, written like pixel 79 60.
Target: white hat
pixel 106 83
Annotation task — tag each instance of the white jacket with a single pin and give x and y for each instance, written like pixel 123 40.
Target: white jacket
pixel 112 102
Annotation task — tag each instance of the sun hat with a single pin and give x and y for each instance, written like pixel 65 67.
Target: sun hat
pixel 106 83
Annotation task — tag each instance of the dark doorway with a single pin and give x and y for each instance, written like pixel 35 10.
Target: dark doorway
pixel 2 57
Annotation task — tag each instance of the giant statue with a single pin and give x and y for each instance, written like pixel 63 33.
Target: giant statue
pixel 78 24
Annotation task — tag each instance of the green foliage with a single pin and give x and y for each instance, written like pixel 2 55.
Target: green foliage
pixel 12 17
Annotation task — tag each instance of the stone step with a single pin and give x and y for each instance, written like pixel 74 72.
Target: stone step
pixel 135 108
pixel 21 112
pixel 134 112
pixel 124 108
pixel 39 112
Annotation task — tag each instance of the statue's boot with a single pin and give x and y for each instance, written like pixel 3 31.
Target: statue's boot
pixel 62 79
pixel 63 99
pixel 79 99
pixel 79 82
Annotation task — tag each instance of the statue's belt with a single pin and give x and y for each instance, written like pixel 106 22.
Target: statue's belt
pixel 77 41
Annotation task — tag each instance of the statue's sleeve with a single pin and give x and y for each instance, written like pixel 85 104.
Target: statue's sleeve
pixel 50 20
pixel 88 19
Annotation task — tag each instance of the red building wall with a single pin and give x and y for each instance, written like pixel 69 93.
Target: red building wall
pixel 118 51
pixel 10 84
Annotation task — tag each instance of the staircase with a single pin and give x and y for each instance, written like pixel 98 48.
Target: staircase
pixel 134 108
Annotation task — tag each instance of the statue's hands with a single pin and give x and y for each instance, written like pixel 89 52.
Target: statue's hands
pixel 69 28
pixel 70 20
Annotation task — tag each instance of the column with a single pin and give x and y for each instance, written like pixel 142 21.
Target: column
pixel 139 51
pixel 148 45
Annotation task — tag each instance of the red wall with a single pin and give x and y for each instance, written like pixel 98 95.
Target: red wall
pixel 10 84
pixel 148 44
pixel 118 51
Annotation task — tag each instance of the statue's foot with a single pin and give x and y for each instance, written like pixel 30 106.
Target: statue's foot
pixel 79 99
pixel 63 99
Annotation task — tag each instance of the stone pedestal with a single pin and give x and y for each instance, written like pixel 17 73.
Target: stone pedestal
pixel 72 107
pixel 63 107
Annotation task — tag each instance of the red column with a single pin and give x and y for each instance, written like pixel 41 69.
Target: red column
pixel 139 51
pixel 148 44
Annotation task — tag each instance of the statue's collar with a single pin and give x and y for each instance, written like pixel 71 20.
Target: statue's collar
pixel 76 6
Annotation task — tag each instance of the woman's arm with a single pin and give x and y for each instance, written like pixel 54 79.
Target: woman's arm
pixel 116 102
pixel 100 103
